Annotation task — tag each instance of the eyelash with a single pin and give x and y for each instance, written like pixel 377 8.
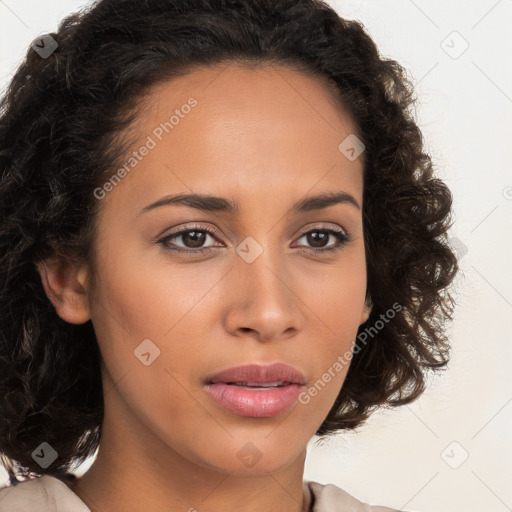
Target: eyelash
pixel 340 234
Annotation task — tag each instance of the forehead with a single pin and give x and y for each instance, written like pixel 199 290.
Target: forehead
pixel 229 128
pixel 266 93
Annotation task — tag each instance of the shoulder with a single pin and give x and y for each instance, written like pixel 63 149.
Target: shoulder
pixel 43 494
pixel 329 498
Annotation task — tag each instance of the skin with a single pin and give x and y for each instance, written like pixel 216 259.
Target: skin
pixel 266 138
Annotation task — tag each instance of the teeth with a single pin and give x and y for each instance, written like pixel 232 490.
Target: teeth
pixel 277 383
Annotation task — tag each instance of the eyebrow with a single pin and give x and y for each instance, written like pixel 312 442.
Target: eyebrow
pixel 209 203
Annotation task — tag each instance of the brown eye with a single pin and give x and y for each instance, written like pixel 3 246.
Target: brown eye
pixel 192 240
pixel 318 239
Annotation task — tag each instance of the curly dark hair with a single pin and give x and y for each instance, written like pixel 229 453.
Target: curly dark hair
pixel 60 121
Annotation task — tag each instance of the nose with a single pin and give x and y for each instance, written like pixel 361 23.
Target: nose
pixel 261 301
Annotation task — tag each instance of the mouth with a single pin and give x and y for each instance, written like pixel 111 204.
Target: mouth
pixel 258 391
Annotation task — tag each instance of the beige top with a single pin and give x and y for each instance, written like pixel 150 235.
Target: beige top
pixel 49 494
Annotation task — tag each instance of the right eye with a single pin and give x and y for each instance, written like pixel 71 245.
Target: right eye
pixel 194 236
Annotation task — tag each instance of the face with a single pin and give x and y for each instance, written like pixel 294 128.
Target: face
pixel 185 290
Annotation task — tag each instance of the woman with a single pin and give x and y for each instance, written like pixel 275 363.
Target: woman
pixel 220 236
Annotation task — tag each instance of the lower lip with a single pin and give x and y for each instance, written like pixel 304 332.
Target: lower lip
pixel 257 402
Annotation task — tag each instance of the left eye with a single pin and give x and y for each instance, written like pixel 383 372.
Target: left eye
pixel 321 236
pixel 194 238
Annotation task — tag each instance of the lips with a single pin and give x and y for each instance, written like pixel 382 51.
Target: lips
pixel 255 375
pixel 258 391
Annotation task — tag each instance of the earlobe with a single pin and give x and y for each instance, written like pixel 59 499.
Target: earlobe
pixel 64 285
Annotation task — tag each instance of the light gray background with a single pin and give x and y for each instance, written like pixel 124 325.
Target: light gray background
pixel 405 458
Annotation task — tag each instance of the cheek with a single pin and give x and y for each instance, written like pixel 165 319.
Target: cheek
pixel 338 301
pixel 146 299
pixel 138 313
pixel 139 301
pixel 336 292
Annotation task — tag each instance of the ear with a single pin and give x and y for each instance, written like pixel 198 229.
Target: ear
pixel 368 305
pixel 65 285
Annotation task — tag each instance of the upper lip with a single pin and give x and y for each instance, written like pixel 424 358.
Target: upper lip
pixel 260 373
